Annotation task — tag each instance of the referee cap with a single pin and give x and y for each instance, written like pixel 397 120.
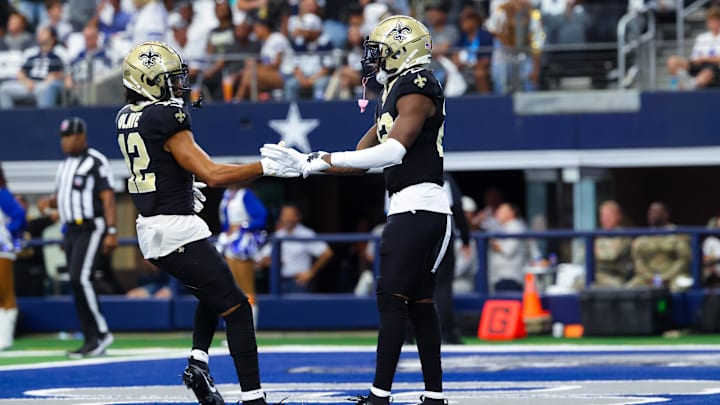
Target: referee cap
pixel 72 125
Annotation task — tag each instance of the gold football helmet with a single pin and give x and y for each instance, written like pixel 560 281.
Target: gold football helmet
pixel 155 70
pixel 396 44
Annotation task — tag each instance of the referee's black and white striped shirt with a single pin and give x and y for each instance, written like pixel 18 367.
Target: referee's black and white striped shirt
pixel 78 183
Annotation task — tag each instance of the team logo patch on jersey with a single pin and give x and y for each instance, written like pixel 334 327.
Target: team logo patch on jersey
pixel 420 81
pixel 180 116
pixel 400 32
pixel 78 181
pixel 150 57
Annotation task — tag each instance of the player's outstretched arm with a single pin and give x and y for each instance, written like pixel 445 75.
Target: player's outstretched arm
pixel 195 160
pixel 413 110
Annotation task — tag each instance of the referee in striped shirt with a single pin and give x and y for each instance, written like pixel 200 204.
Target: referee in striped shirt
pixel 85 201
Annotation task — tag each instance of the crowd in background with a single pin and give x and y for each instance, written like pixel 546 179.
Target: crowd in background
pixel 50 50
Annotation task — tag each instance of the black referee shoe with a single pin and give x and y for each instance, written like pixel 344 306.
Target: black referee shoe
pixel 370 400
pixel 197 378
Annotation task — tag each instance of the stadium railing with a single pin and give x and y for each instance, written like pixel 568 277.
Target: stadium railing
pixel 695 235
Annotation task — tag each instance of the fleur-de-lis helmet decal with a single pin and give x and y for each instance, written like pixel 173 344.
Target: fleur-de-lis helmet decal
pixel 400 32
pixel 149 57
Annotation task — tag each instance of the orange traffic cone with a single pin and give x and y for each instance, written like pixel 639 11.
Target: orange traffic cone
pixel 532 308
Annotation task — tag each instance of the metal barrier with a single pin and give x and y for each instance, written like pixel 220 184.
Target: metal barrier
pixel 695 234
pixel 625 46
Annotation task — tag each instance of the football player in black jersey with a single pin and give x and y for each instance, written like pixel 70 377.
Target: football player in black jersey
pixel 406 141
pixel 156 140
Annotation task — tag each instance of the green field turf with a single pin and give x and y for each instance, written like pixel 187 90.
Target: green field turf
pixel 24 345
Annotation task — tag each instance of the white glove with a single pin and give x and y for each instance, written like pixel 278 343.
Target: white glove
pixel 273 168
pixel 315 163
pixel 285 157
pixel 198 196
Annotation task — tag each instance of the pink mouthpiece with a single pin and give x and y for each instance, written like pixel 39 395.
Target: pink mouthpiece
pixel 362 103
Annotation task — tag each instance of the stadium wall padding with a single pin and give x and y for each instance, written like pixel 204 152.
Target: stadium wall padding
pixel 292 312
pixel 486 123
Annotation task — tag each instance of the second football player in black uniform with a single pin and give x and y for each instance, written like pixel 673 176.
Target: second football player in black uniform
pixel 406 141
pixel 156 140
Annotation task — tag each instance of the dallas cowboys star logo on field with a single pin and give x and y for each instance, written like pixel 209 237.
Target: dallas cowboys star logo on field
pixel 294 130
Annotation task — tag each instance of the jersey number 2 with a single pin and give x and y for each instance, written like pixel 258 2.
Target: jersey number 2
pixel 140 180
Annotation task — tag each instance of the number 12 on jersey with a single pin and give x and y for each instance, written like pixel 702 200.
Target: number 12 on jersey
pixel 140 181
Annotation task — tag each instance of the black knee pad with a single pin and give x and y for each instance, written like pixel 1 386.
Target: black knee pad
pixel 390 305
pixel 241 314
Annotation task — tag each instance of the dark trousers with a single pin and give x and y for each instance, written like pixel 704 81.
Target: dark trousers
pixel 82 246
pixel 444 296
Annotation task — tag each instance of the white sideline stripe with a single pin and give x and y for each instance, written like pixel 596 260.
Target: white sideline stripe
pixel 122 355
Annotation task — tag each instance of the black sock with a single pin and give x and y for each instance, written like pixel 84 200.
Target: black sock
pixel 243 347
pixel 391 336
pixel 205 324
pixel 424 318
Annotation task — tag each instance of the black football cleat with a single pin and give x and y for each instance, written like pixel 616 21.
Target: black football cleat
pixel 430 401
pixel 370 400
pixel 197 378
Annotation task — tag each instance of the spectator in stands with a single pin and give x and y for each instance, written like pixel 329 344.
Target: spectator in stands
pixel 55 19
pixel 276 11
pixel 702 70
pixel 12 224
pixel 111 18
pixel 471 58
pixel 298 268
pixel 711 256
pixel 220 40
pixel 275 63
pixel 515 44
pixel 91 63
pixel 347 80
pixel 466 262
pixel 445 36
pixel 313 61
pixel 148 23
pixel 244 48
pixel 485 219
pixel 564 21
pixel 613 263
pixel 193 52
pixel 295 24
pixel 661 260
pixel 34 11
pixel 30 269
pixel 17 37
pixel 41 75
pixel 80 12
pixel 508 257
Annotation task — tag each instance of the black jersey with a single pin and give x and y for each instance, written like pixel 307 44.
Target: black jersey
pixel 158 185
pixel 423 162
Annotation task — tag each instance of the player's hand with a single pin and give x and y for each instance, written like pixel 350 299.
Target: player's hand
pixel 315 163
pixel 198 196
pixel 273 168
pixel 285 157
pixel 110 242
